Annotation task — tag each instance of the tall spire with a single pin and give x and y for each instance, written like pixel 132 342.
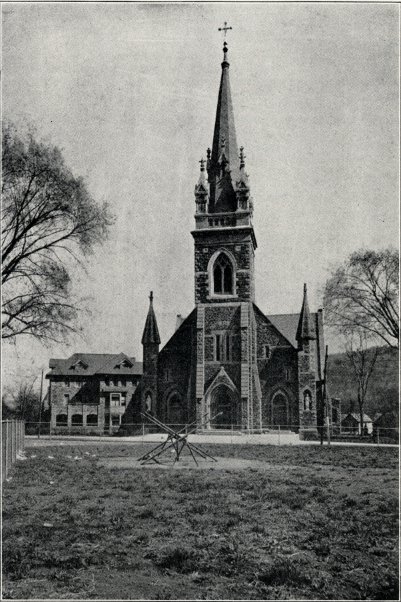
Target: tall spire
pixel 223 165
pixel 224 128
pixel 305 330
pixel 151 332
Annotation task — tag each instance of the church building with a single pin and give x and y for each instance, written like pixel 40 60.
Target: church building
pixel 228 365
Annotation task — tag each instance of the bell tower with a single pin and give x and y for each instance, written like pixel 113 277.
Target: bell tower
pixel 227 383
pixel 225 242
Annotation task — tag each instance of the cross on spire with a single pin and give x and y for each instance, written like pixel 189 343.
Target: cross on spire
pixel 225 29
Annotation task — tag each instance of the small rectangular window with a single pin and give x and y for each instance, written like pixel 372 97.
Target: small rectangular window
pixel 67 383
pixel 66 397
pixel 288 374
pixel 123 382
pixel 228 348
pixel 123 399
pixel 267 352
pixel 217 348
pixel 107 382
pixel 115 399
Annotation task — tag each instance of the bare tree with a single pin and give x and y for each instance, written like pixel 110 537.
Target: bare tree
pixel 25 402
pixel 49 219
pixel 362 359
pixel 363 294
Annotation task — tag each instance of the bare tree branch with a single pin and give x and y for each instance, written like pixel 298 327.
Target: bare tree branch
pixel 362 294
pixel 49 221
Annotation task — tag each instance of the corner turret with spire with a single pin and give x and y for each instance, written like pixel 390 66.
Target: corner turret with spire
pixel 307 370
pixel 150 342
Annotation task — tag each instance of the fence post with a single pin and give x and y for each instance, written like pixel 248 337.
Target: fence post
pixel 16 441
pixel 279 442
pixel 4 434
pixel 13 451
pixel 7 446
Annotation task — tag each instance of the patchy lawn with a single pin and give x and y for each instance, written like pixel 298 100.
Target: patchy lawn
pixel 314 523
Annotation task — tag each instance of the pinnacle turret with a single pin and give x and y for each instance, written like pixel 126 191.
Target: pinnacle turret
pixel 305 329
pixel 151 331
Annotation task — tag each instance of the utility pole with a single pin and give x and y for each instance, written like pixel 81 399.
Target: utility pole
pixel 326 402
pixel 40 404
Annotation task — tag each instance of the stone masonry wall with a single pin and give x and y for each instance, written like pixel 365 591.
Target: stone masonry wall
pixel 278 372
pixel 239 245
pixel 176 371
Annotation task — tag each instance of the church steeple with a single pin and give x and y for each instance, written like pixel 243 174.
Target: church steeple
pixel 224 137
pixel 224 237
pixel 223 165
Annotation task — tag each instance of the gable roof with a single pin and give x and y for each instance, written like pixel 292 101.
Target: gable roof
pixel 97 363
pixel 356 416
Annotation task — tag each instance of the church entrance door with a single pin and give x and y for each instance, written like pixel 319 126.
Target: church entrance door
pixel 222 403
pixel 175 415
pixel 280 410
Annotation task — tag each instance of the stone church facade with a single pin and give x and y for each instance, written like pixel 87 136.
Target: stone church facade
pixel 228 364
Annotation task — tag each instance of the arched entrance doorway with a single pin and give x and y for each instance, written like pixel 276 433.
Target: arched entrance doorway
pixel 280 410
pixel 222 408
pixel 175 410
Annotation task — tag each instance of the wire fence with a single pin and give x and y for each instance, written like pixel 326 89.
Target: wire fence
pixel 278 433
pixel 12 440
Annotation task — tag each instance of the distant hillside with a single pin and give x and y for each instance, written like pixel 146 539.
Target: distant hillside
pixel 383 385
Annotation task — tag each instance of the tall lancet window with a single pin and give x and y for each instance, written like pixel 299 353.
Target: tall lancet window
pixel 223 276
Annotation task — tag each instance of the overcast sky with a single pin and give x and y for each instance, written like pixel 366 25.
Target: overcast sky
pixel 129 93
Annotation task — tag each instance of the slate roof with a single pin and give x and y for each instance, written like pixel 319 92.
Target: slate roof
pixel 287 324
pixel 97 363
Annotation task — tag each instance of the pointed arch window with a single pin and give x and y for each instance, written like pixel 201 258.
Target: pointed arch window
pixel 223 276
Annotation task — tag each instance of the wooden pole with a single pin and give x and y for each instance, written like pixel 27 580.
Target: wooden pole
pixel 40 404
pixel 325 400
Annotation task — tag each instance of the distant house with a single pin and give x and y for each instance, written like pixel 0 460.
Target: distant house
pixel 89 392
pixel 386 425
pixel 351 424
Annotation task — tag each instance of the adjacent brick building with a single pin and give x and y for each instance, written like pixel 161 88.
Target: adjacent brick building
pixel 89 392
pixel 228 363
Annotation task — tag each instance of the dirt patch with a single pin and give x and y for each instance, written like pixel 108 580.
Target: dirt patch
pixel 186 463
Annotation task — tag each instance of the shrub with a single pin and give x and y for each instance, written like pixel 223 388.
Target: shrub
pixel 283 571
pixel 176 558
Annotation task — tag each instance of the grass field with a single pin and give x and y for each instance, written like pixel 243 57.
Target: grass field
pixel 313 523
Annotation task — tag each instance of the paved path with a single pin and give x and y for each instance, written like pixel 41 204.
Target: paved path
pixel 265 439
